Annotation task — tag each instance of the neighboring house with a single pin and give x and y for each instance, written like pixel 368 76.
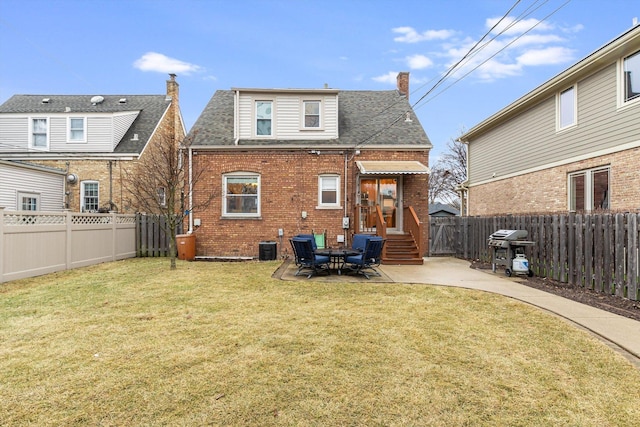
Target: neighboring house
pixel 94 139
pixel 440 209
pixel 290 161
pixel 28 187
pixel 572 144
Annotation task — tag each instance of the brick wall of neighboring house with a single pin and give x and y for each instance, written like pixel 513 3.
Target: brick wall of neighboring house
pixel 546 190
pixel 109 176
pixel 289 186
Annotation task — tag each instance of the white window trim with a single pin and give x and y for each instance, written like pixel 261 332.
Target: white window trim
pixel 224 195
pixel 335 205
pixel 22 194
pixel 82 199
pixel 84 130
pixel 588 186
pixel 559 126
pixel 254 116
pixel 620 83
pixel 303 101
pixel 31 144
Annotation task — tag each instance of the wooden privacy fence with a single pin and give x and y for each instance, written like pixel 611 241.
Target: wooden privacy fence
pixel 35 243
pixel 594 251
pixel 152 238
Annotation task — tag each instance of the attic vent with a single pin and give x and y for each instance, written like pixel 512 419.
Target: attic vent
pixel 45 100
pixel 97 100
pixel 135 137
pixel 122 100
pixel 67 109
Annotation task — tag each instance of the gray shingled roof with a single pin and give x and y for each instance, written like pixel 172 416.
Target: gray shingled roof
pixel 362 114
pixel 151 107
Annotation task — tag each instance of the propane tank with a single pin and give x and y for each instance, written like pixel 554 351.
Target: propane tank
pixel 520 264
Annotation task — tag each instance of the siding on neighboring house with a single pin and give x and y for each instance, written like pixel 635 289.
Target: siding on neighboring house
pixel 530 142
pixel 47 185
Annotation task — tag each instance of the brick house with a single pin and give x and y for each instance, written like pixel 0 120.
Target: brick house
pixel 94 139
pixel 328 161
pixel 571 144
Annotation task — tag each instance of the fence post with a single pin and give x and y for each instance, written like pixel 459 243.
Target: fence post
pixel 69 239
pixel 114 236
pixel 1 244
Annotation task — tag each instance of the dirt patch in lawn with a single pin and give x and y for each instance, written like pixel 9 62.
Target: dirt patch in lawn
pixel 611 303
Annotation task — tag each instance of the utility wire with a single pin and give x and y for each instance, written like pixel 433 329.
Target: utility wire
pixel 442 78
pixel 496 53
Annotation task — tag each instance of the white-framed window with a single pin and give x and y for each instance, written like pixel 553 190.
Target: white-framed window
pixel 328 191
pixel 589 189
pixel 40 133
pixel 241 196
pixel 28 201
pixel 631 78
pixel 77 129
pixel 567 108
pixel 264 118
pixel 162 196
pixel 89 196
pixel 311 117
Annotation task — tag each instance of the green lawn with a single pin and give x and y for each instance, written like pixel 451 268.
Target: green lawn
pixel 132 343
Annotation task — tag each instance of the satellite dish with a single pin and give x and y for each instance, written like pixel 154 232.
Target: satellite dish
pixel 97 99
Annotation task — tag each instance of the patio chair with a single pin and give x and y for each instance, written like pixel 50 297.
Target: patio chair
pixel 360 241
pixel 366 262
pixel 320 239
pixel 306 259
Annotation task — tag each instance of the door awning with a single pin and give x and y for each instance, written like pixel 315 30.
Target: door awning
pixel 408 167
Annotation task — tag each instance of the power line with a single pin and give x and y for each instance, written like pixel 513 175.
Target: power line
pixel 449 71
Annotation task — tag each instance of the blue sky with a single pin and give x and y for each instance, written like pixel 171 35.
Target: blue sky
pixel 129 46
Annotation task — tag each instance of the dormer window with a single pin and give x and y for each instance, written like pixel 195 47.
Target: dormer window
pixel 40 133
pixel 77 129
pixel 264 114
pixel 311 118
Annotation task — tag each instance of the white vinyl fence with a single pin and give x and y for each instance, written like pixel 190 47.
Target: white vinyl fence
pixel 35 243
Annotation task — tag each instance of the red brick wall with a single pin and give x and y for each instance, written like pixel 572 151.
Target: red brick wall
pixel 546 190
pixel 289 186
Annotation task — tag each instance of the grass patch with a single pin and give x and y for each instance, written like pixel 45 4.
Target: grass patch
pixel 133 343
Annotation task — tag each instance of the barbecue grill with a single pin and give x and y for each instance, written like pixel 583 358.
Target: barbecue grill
pixel 508 251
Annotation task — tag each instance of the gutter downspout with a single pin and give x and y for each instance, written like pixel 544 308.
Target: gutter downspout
pixel 236 133
pixel 190 191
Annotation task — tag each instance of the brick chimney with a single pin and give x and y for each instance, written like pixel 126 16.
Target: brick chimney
pixel 403 83
pixel 172 88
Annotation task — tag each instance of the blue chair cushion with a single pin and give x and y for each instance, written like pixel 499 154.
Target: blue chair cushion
pixel 355 259
pixel 322 259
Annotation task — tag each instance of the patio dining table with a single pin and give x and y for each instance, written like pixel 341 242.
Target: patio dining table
pixel 338 256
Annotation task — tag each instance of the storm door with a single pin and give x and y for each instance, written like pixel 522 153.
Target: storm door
pixel 384 192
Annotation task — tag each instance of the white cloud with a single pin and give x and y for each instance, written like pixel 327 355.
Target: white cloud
pixel 546 56
pixel 390 77
pixel 410 35
pixel 153 61
pixel 419 62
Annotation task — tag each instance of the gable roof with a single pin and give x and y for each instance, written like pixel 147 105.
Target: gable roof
pixel 151 109
pixel 623 45
pixel 435 208
pixel 365 119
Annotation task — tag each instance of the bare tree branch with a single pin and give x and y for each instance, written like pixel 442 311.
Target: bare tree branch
pixel 158 182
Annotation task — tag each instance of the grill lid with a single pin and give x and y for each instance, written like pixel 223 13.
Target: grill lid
pixel 509 235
